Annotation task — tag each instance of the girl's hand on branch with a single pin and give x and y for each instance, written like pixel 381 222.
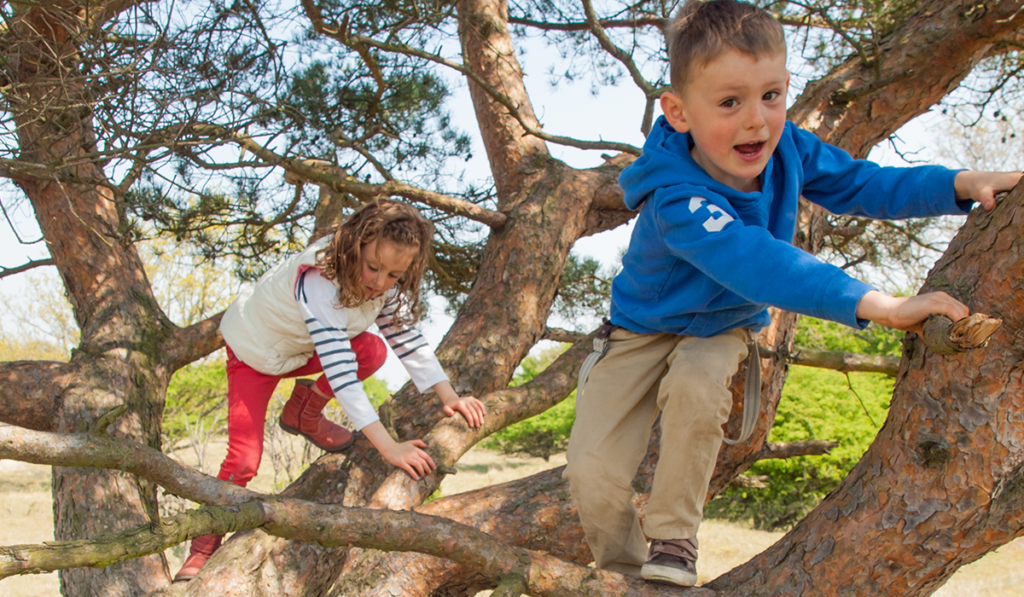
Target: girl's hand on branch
pixel 411 458
pixel 408 456
pixel 468 406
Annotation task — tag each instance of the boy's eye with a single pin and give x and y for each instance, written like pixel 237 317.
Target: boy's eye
pixel 729 103
pixel 771 95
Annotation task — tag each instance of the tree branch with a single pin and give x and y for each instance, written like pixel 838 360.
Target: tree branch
pixel 843 362
pixel 109 549
pixel 561 335
pixel 339 180
pixel 783 450
pixel 329 526
pixel 32 264
pixel 657 22
pixel 606 43
pixel 31 392
pixel 102 451
pixel 194 342
pixel 529 127
pixel 538 574
pixel 944 337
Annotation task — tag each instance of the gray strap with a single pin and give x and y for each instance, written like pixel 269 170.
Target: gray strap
pixel 600 347
pixel 751 396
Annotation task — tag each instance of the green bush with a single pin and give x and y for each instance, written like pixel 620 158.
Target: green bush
pixel 196 393
pixel 542 435
pixel 816 404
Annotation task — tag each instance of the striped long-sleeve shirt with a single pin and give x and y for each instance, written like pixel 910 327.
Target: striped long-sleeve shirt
pixel 327 325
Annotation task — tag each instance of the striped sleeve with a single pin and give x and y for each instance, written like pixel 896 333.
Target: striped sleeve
pixel 327 327
pixel 411 348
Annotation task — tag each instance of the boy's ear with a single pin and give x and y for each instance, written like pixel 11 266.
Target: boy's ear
pixel 672 108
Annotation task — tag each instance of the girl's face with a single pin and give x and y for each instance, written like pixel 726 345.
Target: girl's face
pixel 383 263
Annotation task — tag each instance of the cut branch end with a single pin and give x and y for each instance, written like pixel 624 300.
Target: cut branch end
pixel 947 338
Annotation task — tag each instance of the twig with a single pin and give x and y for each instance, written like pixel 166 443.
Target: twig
pixel 107 418
pixel 849 384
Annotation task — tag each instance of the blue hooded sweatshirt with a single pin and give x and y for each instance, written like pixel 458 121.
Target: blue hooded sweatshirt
pixel 705 258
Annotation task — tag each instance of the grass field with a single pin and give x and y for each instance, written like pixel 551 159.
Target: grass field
pixel 26 505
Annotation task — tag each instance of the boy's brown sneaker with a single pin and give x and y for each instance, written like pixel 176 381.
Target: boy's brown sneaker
pixel 672 561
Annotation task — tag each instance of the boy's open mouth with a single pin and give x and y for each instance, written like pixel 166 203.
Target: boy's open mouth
pixel 750 149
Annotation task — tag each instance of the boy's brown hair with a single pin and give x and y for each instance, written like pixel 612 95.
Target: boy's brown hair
pixel 703 30
pixel 383 219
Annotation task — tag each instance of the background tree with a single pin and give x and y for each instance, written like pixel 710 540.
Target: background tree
pixel 125 120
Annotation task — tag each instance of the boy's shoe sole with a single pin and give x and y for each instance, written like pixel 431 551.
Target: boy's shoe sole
pixel 669 575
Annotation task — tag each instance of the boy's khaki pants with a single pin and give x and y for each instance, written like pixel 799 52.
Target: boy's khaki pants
pixel 687 380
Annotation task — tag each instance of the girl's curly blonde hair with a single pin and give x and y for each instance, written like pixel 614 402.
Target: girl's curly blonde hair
pixel 383 219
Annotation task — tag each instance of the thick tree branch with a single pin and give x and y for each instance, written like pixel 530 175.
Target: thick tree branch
pixel 339 180
pixel 32 391
pixel 194 342
pixel 331 526
pixel 100 451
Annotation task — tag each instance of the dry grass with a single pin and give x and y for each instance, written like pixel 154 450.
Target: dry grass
pixel 25 502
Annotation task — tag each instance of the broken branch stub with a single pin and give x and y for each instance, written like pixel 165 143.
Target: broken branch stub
pixel 947 338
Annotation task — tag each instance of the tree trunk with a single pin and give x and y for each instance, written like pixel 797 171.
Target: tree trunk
pixel 120 360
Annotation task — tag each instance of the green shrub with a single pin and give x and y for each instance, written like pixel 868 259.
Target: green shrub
pixel 542 435
pixel 816 404
pixel 196 393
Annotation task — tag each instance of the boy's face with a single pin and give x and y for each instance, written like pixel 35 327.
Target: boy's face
pixel 735 109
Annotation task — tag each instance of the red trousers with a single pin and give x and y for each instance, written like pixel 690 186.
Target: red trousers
pixel 249 393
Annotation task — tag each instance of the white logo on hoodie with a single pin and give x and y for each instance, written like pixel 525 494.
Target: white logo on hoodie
pixel 718 218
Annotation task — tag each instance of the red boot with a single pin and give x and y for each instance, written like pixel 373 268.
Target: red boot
pixel 200 551
pixel 302 415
